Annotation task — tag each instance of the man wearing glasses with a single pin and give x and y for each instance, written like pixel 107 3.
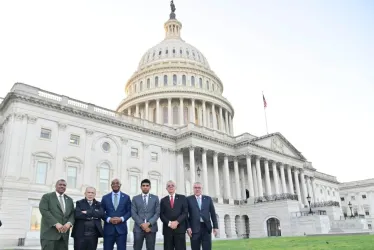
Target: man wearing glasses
pixel 145 211
pixel 173 214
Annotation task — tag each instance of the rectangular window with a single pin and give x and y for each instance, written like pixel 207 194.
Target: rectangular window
pixel 41 172
pixel 45 133
pixel 154 156
pixel 36 218
pixel 134 152
pixel 72 177
pixel 364 196
pixel 342 198
pixel 154 186
pixel 104 180
pixel 133 185
pixel 353 198
pixel 74 139
pixel 367 213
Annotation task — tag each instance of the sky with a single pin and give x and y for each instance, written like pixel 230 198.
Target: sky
pixel 313 60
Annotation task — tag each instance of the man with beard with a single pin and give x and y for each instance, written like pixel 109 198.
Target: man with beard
pixel 87 228
pixel 117 208
pixel 57 210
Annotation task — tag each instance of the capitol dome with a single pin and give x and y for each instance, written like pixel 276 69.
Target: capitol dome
pixel 174 85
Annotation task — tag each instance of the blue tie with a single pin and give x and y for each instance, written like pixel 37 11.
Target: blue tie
pixel 199 202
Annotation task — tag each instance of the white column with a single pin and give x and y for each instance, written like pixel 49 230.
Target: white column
pixel 250 177
pixel 205 172
pixel 181 122
pixel 283 178
pixel 158 111
pixel 222 124
pixel 255 184
pixel 214 117
pixel 297 185
pixel 314 189
pixel 227 177
pixel 237 180
pixel 180 173
pixel 170 120
pixel 267 178
pixel 146 111
pixel 290 182
pixel 227 130
pixel 259 177
pixel 216 175
pixel 192 165
pixel 204 115
pixel 303 187
pixel 192 117
pixel 137 110
pixel 242 182
pixel 275 177
pixel 231 125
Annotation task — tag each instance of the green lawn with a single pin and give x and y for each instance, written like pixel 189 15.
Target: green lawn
pixel 359 242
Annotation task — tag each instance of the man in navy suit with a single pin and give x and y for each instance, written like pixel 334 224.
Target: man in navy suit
pixel 117 208
pixel 201 215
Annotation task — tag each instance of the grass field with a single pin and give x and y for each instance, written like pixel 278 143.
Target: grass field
pixel 357 242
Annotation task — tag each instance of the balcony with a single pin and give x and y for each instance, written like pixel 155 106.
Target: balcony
pixel 276 197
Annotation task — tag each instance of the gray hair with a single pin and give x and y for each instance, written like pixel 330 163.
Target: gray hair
pixel 172 182
pixel 198 183
pixel 90 188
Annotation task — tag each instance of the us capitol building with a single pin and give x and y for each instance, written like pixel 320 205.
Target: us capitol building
pixel 174 124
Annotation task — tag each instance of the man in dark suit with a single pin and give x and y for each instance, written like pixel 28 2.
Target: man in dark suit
pixel 201 214
pixel 117 208
pixel 57 210
pixel 145 211
pixel 87 228
pixel 173 214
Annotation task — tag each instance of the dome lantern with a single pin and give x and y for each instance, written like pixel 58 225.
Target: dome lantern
pixel 172 26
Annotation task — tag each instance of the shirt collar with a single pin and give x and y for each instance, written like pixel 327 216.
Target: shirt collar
pixel 119 192
pixel 145 194
pixel 198 196
pixel 58 195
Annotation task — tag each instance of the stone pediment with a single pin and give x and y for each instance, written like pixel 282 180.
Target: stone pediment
pixel 278 143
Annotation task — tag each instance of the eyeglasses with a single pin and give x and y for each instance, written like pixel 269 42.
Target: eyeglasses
pixel 170 185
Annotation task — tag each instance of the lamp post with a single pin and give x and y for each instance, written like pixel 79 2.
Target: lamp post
pixel 309 199
pixel 198 170
pixel 350 207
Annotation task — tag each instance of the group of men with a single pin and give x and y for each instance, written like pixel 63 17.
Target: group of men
pixel 194 215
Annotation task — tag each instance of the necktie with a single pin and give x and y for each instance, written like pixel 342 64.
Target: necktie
pixel 90 202
pixel 145 201
pixel 199 202
pixel 62 204
pixel 115 201
pixel 171 201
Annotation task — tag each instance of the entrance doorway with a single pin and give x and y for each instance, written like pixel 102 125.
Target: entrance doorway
pixel 273 227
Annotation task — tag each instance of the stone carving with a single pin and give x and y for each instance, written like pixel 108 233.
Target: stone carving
pixel 19 117
pixel 62 126
pixel 89 132
pixel 124 140
pixel 277 145
pixel 31 119
pixel 145 145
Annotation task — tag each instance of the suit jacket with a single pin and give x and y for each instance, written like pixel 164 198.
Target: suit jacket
pixel 123 210
pixel 151 213
pixel 51 212
pixel 207 213
pixel 179 213
pixel 94 213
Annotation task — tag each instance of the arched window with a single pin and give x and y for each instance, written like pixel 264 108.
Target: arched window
pixel 165 80
pixel 141 86
pixel 104 178
pixel 174 80
pixel 184 80
pixel 175 115
pixel 185 115
pixel 148 83
pixel 154 115
pixel 192 81
pixel 156 81
pixel 200 82
pixel 165 114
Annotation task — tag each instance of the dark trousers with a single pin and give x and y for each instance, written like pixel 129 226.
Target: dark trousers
pixel 202 238
pixel 150 240
pixel 119 239
pixel 175 242
pixel 85 243
pixel 60 244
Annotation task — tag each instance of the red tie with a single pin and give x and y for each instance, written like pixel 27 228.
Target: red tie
pixel 171 201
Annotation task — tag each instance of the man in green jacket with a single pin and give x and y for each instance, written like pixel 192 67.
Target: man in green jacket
pixel 57 210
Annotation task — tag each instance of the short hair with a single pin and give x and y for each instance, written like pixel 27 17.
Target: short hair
pixel 170 181
pixel 197 183
pixel 145 181
pixel 115 179
pixel 60 180
pixel 90 188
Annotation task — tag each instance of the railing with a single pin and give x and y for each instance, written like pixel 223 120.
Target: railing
pixel 276 197
pixel 304 213
pixel 354 217
pixel 325 204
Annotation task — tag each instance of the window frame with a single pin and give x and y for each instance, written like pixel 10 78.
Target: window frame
pixel 74 144
pixel 50 133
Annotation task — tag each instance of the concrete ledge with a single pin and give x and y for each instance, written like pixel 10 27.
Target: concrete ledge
pixel 341 234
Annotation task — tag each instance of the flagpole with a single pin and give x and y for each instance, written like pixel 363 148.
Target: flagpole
pixel 266 119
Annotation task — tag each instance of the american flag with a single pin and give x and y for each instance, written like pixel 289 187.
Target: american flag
pixel 265 103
